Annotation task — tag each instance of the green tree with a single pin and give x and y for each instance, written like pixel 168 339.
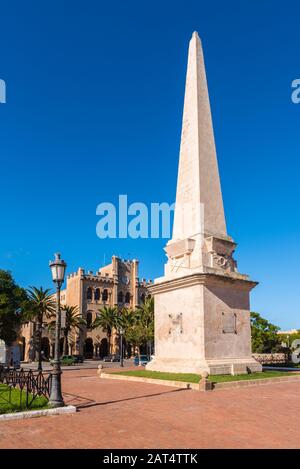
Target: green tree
pixel 135 335
pixel 264 335
pixel 139 327
pixel 42 307
pixel 137 324
pixel 108 319
pixel 288 339
pixel 72 322
pixel 287 343
pixel 126 320
pixel 13 303
pixel 146 318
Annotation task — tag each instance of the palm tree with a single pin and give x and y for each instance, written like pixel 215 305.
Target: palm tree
pixel 147 312
pixel 107 319
pixel 72 321
pixel 41 307
pixel 126 320
pixel 124 317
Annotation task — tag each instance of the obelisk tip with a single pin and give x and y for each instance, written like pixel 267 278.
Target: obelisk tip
pixel 196 35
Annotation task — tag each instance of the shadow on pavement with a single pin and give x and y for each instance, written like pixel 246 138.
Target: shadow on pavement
pixel 85 403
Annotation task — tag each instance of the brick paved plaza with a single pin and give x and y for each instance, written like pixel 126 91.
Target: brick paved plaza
pixel 115 414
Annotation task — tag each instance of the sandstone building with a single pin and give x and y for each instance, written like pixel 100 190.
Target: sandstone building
pixel 116 284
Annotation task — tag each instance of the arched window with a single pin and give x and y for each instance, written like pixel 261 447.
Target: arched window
pixel 89 294
pixel 127 298
pixel 143 298
pixel 89 319
pixel 120 297
pixel 105 295
pixel 97 294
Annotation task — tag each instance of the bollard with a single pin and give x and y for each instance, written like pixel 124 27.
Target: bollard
pixel 205 384
pixel 99 371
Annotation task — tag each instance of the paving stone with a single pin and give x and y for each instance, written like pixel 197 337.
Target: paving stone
pixel 125 414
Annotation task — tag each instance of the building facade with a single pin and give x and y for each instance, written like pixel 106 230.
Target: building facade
pixel 116 284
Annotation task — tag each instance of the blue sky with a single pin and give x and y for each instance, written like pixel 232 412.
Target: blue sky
pixel 94 105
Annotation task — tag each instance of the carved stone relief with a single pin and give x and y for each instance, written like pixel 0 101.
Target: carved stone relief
pixel 175 325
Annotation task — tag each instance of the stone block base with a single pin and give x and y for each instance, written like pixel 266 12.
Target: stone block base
pixel 234 366
pixel 213 367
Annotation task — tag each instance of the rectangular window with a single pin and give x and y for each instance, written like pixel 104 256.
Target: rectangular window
pixel 229 323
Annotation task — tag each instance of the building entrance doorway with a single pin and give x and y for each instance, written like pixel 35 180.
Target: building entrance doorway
pixel 88 348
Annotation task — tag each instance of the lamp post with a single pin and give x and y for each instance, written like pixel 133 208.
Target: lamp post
pixel 121 346
pixel 58 267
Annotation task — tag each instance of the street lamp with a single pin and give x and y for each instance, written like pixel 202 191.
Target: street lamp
pixel 58 267
pixel 121 346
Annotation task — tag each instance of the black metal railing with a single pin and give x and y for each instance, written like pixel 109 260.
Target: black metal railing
pixel 30 383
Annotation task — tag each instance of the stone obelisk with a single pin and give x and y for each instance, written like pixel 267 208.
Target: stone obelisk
pixel 202 319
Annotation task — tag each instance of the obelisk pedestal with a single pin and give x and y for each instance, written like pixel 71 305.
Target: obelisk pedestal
pixel 202 318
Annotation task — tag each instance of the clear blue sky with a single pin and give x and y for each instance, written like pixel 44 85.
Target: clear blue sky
pixel 94 106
